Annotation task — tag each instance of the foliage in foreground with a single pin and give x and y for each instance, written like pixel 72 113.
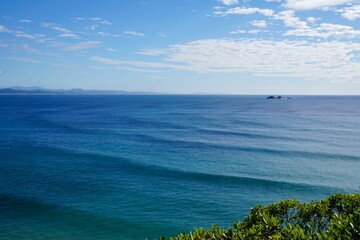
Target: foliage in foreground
pixel 337 217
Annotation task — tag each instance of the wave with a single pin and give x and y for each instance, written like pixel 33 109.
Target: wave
pixel 268 151
pixel 114 122
pixel 136 123
pixel 191 144
pixel 219 132
pixel 115 163
pixel 143 138
pixel 84 224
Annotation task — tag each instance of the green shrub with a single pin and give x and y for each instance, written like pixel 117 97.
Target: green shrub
pixel 337 217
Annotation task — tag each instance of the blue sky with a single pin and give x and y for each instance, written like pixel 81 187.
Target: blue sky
pixel 183 46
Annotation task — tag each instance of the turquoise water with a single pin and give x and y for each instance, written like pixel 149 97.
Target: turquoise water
pixel 136 167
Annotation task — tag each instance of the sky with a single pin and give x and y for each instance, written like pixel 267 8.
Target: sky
pixel 183 46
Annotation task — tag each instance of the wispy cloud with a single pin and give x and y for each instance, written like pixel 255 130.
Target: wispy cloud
pixel 259 23
pixel 25 47
pixel 55 27
pixel 83 46
pixel 4 29
pixel 132 69
pixel 25 21
pixel 243 11
pixel 312 4
pixel 299 27
pixel 254 31
pixel 350 13
pixel 103 34
pixel 21 34
pixel 229 2
pixel 64 32
pixel 133 33
pixel 40 38
pixel 144 64
pixel 96 19
pixel 69 35
pixel 312 20
pixel 133 66
pixel 92 27
pixel 238 31
pixel 111 50
pixel 28 36
pixel 21 59
pixel 153 51
pixel 300 59
pixel 323 30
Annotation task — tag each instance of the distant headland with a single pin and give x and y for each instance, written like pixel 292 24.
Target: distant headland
pixel 74 91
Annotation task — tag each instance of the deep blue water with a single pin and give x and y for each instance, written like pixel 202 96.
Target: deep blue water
pixel 136 167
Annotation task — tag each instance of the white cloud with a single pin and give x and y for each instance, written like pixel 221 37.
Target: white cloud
pixel 93 27
pixel 258 23
pixel 103 60
pixel 333 60
pixel 255 31
pixel 106 22
pixel 110 61
pixel 25 47
pixel 33 36
pixel 4 29
pixel 244 11
pixel 96 19
pixel 153 52
pixel 137 66
pixel 300 28
pixel 312 4
pixel 323 30
pixel 111 50
pixel 312 20
pixel 20 59
pixel 350 13
pixel 69 35
pixel 29 36
pixel 46 24
pixel 24 35
pixel 64 31
pixel 133 33
pixel 241 31
pixel 290 20
pixel 56 27
pixel 83 46
pixel 229 2
pixel 132 69
pixel 326 30
pixel 103 34
pixel 61 29
pixel 163 35
pixel 25 21
pixel 238 31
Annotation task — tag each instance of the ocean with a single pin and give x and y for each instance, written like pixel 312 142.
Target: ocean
pixel 143 166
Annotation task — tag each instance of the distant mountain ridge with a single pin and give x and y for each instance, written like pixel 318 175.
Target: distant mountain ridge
pixel 40 90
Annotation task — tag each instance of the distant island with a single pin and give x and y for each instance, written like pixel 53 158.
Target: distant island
pixel 278 97
pixel 74 91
